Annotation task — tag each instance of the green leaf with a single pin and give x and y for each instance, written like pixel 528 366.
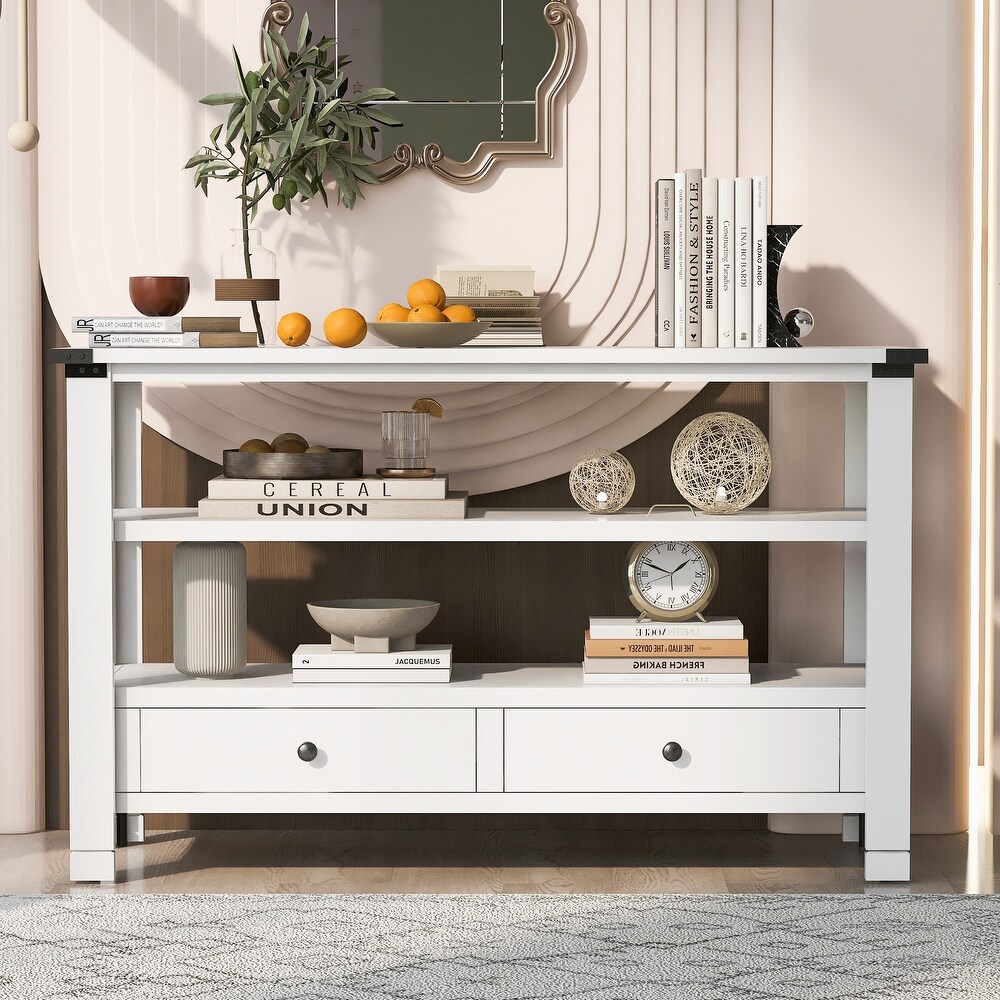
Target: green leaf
pixel 383 117
pixel 242 74
pixel 297 134
pixel 374 94
pixel 303 31
pixel 214 100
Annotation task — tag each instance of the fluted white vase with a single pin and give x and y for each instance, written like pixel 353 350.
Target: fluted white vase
pixel 210 608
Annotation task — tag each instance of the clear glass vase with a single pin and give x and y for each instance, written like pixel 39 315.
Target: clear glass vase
pixel 406 439
pixel 248 258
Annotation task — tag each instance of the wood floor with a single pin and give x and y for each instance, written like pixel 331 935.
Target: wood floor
pixel 494 861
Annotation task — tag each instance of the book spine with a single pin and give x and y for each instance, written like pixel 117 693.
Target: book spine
pixel 733 680
pixel 725 272
pixel 143 340
pixel 744 292
pixel 622 629
pixel 666 665
pixel 679 231
pixel 126 324
pixel 334 510
pixel 337 660
pixel 692 258
pixel 328 489
pixel 361 676
pixel 709 262
pixel 665 263
pixel 759 262
pixel 667 647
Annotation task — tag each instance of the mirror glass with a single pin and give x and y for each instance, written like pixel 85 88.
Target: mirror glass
pixel 465 71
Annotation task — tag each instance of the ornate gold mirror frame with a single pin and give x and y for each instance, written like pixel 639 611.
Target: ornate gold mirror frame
pixel 487 154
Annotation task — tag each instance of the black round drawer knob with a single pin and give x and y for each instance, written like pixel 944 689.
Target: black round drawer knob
pixel 308 752
pixel 672 752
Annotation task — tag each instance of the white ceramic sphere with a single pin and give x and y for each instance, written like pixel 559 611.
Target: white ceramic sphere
pixel 720 463
pixel 602 481
pixel 23 136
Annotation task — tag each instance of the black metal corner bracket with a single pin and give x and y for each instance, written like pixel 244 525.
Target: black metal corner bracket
pixel 79 362
pixel 891 371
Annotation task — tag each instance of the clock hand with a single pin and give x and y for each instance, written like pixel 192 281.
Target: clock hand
pixel 682 565
pixel 660 568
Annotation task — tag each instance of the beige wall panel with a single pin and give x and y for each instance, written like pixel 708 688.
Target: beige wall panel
pixel 871 154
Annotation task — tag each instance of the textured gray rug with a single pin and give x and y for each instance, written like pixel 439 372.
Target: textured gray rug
pixel 322 947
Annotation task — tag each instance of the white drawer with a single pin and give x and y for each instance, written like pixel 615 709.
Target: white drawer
pixel 359 750
pixel 621 750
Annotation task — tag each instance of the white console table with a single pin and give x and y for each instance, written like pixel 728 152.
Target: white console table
pixel 801 738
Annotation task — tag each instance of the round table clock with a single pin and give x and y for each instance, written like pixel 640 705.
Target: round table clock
pixel 671 581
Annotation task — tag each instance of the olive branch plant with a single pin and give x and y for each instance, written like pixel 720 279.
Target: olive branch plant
pixel 291 127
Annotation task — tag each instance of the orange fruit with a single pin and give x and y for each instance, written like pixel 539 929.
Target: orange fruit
pixel 427 405
pixel 294 329
pixel 426 292
pixel 426 314
pixel 393 312
pixel 345 328
pixel 460 314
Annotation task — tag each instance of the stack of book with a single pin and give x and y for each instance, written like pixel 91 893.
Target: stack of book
pixel 318 664
pixel 163 331
pixel 711 261
pixel 504 295
pixel 622 651
pixel 331 499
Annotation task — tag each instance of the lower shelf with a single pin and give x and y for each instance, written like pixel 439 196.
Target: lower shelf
pixel 494 685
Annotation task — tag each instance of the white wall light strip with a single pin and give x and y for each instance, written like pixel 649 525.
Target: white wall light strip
pixel 23 134
pixel 982 431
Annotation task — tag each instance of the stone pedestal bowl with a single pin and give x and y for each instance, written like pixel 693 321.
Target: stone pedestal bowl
pixel 373 625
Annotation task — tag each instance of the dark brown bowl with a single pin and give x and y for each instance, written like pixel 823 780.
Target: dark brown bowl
pixel 158 296
pixel 337 463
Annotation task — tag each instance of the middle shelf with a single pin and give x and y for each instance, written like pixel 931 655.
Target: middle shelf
pixel 175 524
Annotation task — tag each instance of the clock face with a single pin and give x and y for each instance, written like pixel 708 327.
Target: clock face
pixel 672 579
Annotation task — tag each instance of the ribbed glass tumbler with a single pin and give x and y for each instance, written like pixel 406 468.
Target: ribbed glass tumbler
pixel 210 609
pixel 406 439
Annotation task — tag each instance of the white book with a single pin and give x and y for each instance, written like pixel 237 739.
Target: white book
pixel 619 665
pixel 665 262
pixel 679 267
pixel 629 628
pixel 709 262
pixel 691 256
pixel 126 324
pixel 222 488
pixel 730 680
pixel 452 508
pixel 725 272
pixel 482 280
pixel 98 340
pixel 758 309
pixel 744 276
pixel 319 656
pixel 440 675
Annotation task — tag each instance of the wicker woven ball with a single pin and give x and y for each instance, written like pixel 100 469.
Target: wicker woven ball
pixel 602 481
pixel 721 463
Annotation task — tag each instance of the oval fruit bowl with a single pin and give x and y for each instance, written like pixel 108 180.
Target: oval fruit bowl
pixel 428 334
pixel 393 622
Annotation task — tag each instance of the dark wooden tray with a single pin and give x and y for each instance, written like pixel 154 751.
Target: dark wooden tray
pixel 337 463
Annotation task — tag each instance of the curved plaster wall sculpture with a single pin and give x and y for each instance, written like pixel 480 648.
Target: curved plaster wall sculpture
pixel 583 219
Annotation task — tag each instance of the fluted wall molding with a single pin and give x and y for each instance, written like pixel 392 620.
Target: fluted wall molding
pixel 583 220
pixel 22 802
